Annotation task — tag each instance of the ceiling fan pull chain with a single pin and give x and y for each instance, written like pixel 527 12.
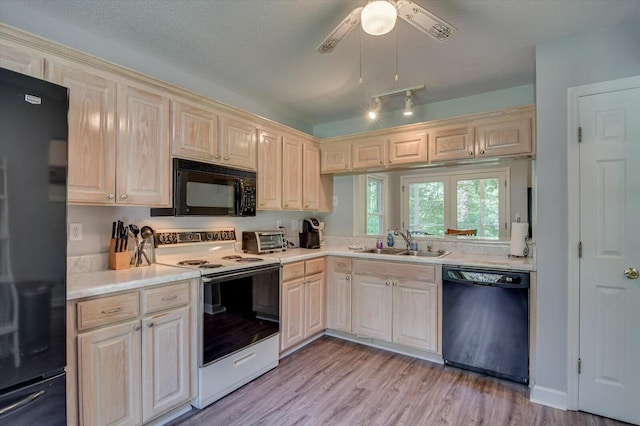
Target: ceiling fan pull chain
pixel 397 52
pixel 360 35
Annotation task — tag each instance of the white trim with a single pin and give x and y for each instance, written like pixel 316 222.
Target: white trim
pixel 549 397
pixel 573 225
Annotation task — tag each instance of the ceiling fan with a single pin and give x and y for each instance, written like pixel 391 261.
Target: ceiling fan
pixel 378 17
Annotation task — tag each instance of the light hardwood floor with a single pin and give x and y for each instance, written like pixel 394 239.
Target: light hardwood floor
pixel 334 382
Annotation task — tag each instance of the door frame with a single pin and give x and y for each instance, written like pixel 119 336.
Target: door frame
pixel 573 226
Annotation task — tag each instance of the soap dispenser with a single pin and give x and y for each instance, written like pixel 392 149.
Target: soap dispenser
pixel 390 241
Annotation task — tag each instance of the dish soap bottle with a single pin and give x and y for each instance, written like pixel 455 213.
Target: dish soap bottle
pixel 390 241
pixel 379 243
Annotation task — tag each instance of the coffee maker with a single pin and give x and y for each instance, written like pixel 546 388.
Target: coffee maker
pixel 310 237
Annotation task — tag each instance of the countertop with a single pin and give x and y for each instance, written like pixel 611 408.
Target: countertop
pixel 460 259
pixel 97 283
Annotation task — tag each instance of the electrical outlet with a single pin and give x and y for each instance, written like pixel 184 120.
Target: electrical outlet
pixel 295 225
pixel 75 232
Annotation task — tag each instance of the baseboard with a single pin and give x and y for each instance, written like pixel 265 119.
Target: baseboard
pixel 549 397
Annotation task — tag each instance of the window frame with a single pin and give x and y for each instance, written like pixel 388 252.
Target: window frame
pixel 450 179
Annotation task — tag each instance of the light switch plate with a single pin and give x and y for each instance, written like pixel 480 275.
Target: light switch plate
pixel 75 232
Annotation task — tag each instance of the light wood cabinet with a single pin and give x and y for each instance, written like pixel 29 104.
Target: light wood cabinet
pixel 311 189
pixel 292 173
pixel 195 131
pixel 369 153
pixel 396 303
pixel 303 302
pixel 136 354
pixel 335 157
pixel 143 168
pixel 269 170
pixel 238 143
pixel 21 59
pixel 504 136
pixel 451 143
pixel 339 293
pixel 407 148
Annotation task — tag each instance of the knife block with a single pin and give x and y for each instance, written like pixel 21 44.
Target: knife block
pixel 118 260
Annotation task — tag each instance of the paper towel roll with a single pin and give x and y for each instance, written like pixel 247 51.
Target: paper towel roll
pixel 519 231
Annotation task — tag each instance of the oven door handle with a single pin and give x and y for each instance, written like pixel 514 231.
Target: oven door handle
pixel 240 274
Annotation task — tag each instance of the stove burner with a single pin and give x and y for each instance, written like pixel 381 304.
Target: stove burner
pixel 211 265
pixel 192 262
pixel 248 259
pixel 232 257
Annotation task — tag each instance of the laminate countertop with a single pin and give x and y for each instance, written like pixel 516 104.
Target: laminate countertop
pixel 98 283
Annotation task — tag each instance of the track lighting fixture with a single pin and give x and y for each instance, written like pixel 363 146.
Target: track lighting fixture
pixel 374 112
pixel 408 102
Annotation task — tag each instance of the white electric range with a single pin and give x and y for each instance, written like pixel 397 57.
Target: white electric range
pixel 239 307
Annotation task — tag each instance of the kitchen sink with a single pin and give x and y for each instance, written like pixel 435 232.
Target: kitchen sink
pixel 405 252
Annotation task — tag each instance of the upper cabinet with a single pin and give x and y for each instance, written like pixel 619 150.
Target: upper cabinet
pixel 508 133
pixel 292 173
pixel 21 59
pixel 238 143
pixel 269 170
pixel 195 131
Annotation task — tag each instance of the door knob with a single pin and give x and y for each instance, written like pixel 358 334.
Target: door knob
pixel 631 273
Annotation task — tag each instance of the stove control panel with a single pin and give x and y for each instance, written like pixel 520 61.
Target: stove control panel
pixel 186 237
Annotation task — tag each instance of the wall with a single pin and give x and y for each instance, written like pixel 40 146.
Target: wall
pixel 607 54
pixel 490 101
pixel 21 16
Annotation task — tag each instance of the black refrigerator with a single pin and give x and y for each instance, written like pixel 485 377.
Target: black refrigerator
pixel 33 216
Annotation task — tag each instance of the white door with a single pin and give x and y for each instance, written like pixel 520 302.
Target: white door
pixel 609 383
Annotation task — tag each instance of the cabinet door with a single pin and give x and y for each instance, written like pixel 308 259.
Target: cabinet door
pixel 165 361
pixel 407 148
pixel 335 158
pixel 292 174
pixel 238 144
pixel 415 317
pixel 92 134
pixel 269 170
pixel 339 301
pixel 369 153
pixel 372 307
pixel 292 309
pixel 451 143
pixel 109 375
pixel 504 137
pixel 311 176
pixel 143 169
pixel 21 59
pixel 314 305
pixel 194 132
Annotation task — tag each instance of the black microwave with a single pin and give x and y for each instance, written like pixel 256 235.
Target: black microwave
pixel 203 189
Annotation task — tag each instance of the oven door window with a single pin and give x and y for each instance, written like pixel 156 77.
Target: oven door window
pixel 207 194
pixel 238 312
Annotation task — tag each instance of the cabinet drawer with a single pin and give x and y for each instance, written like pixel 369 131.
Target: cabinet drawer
pixel 106 310
pixel 342 265
pixel 165 297
pixel 292 271
pixel 314 266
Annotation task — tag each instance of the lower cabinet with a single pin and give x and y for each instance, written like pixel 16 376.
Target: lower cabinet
pixel 396 303
pixel 339 293
pixel 135 354
pixel 303 302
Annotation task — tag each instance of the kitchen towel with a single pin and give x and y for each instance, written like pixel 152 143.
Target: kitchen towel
pixel 519 231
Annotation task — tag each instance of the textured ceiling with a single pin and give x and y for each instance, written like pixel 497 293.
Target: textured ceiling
pixel 265 49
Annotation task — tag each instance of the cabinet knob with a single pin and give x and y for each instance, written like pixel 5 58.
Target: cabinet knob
pixel 111 196
pixel 390 161
pixel 306 206
pixel 124 196
pixel 226 158
pixel 482 152
pixel 387 283
pixel 470 153
pixel 149 324
pixel 216 156
pixel 347 278
pixel 136 328
pixel 381 162
pixel 395 283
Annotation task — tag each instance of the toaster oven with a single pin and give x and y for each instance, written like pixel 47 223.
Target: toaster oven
pixel 259 242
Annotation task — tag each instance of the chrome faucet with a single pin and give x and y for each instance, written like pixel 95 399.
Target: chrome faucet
pixel 407 238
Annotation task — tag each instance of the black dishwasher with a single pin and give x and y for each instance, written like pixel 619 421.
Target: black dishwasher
pixel 485 321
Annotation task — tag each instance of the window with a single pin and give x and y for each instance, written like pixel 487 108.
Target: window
pixel 375 205
pixel 470 200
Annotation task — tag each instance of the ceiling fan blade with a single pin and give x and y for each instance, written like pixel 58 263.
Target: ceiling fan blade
pixel 348 23
pixel 425 21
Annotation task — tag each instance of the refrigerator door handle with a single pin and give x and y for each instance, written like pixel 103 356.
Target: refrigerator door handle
pixel 23 402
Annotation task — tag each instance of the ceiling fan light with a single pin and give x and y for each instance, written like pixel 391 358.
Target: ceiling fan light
pixel 378 17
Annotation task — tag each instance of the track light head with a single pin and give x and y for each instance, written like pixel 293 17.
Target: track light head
pixel 374 112
pixel 408 103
